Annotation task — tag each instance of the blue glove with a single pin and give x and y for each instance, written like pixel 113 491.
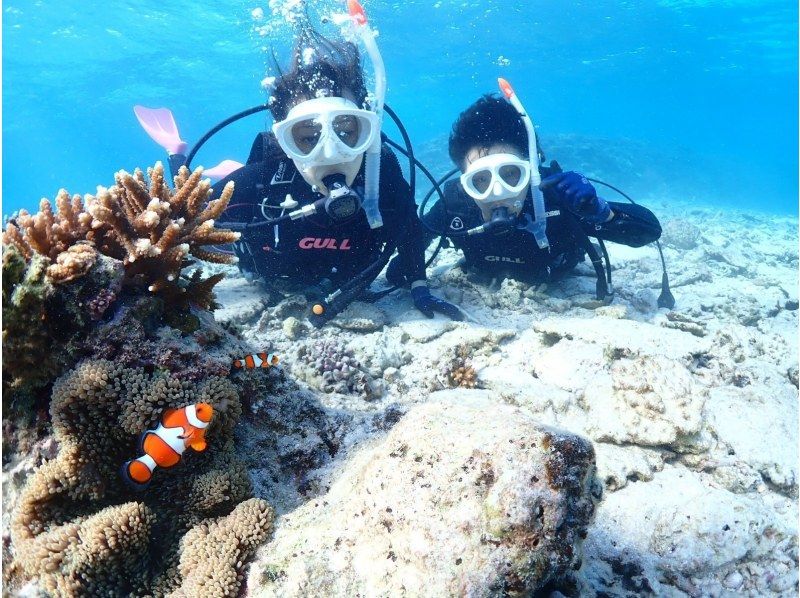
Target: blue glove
pixel 578 195
pixel 427 304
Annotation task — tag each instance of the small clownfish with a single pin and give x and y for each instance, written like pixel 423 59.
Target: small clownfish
pixel 163 447
pixel 257 360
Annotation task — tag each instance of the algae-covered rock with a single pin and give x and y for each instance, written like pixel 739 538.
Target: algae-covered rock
pixel 44 323
pixel 465 496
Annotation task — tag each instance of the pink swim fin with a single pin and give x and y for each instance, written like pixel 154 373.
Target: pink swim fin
pixel 160 125
pixel 223 169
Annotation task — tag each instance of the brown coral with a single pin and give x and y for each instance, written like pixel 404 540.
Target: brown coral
pixel 464 377
pixel 458 372
pixel 212 553
pixel 151 228
pixel 73 263
pixel 76 528
pixel 90 557
pixel 47 233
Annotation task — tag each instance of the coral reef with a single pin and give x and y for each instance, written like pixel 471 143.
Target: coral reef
pixel 150 228
pixel 99 410
pixel 98 287
pixel 458 372
pixel 43 323
pixel 337 369
pixel 64 270
pixel 76 528
pixel 212 553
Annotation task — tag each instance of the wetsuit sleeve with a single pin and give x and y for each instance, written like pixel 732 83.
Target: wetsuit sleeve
pixel 410 261
pixel 435 219
pixel 632 225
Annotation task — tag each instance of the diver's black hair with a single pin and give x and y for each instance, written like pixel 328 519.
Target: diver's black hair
pixel 487 122
pixel 319 68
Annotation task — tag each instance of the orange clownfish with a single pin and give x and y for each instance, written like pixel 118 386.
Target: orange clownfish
pixel 163 447
pixel 257 360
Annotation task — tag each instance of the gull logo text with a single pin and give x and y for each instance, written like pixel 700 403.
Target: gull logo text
pixel 314 243
pixel 502 258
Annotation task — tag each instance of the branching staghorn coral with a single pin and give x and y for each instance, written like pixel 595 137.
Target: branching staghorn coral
pixel 458 372
pixel 79 531
pixel 152 229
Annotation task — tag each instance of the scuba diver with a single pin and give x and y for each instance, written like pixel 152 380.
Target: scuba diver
pixel 513 218
pixel 322 203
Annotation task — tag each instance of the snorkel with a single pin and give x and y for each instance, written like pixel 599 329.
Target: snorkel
pixel 539 225
pixel 372 173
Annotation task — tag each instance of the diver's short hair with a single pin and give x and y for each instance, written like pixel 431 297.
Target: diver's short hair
pixel 320 68
pixel 489 121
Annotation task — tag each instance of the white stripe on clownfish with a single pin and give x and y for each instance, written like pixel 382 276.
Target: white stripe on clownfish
pixel 191 416
pixel 148 462
pixel 269 360
pixel 174 437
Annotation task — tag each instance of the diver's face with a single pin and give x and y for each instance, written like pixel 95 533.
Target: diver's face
pixel 482 180
pixel 306 135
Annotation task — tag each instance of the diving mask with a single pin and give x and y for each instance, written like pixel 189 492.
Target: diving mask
pixel 497 180
pixel 326 131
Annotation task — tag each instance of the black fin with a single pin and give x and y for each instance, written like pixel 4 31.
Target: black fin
pixel 665 299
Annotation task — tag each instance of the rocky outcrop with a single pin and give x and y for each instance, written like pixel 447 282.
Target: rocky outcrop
pixel 464 496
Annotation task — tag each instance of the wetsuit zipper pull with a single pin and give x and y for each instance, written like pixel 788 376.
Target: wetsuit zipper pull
pixel 287 204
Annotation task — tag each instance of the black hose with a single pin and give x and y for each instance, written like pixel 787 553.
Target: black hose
pixel 220 126
pixel 666 298
pixel 608 265
pixel 412 172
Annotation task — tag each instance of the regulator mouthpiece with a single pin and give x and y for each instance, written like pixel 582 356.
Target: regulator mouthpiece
pixel 501 221
pixel 342 202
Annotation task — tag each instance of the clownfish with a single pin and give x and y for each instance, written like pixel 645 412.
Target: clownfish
pixel 257 360
pixel 163 447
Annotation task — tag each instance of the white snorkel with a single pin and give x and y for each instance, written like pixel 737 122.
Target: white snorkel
pixel 539 225
pixel 372 169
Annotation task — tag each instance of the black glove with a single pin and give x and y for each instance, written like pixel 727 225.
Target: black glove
pixel 427 304
pixel 394 275
pixel 579 196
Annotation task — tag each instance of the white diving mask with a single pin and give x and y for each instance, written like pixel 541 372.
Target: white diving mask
pixel 497 180
pixel 326 131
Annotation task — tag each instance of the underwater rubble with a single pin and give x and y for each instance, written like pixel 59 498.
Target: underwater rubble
pixel 698 499
pixel 549 444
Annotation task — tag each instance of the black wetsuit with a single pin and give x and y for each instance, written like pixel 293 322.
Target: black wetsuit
pixel 309 250
pixel 515 254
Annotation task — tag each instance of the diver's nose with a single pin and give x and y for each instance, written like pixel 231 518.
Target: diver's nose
pixel 329 150
pixel 497 189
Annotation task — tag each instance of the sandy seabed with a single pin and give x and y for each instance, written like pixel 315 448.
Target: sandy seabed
pixel 692 412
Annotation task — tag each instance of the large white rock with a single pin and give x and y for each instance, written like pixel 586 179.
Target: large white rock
pixel 464 496
pixel 650 401
pixel 681 528
pixel 758 428
pixel 624 337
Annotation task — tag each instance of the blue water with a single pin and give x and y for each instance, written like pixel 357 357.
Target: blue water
pixel 705 91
